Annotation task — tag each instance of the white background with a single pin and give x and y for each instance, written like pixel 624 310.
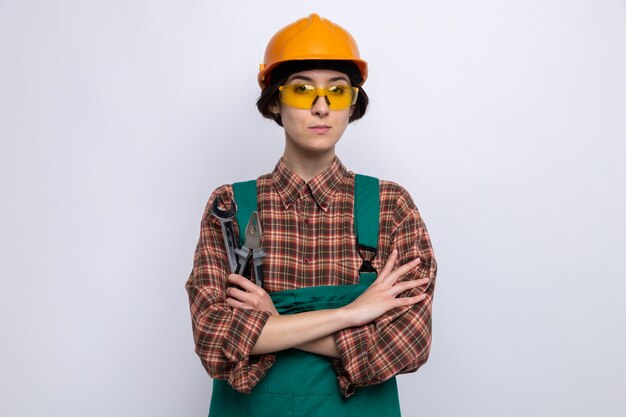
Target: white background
pixel 506 121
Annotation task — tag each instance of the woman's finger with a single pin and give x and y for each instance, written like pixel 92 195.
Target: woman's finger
pixel 240 295
pixel 237 304
pixel 242 282
pixel 403 286
pixel 401 271
pixel 391 262
pixel 409 301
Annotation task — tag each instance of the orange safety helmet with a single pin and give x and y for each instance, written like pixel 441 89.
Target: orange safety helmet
pixel 308 38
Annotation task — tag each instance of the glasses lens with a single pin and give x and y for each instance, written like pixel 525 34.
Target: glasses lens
pixel 341 96
pixel 302 96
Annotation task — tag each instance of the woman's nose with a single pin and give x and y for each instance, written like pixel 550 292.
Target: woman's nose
pixel 320 107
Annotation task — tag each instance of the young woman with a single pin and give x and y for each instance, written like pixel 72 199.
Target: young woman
pixel 321 334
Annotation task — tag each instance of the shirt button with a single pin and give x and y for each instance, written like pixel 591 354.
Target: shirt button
pixel 307 221
pixel 306 260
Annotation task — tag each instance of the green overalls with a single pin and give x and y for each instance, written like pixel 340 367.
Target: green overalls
pixel 302 384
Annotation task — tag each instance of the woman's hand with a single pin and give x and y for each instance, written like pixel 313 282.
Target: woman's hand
pixel 382 294
pixel 250 296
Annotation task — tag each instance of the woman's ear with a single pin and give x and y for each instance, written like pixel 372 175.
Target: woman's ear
pixel 275 108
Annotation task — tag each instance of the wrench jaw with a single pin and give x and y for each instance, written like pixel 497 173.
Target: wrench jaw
pixel 228 214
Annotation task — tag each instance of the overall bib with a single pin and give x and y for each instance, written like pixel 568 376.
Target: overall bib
pixel 302 384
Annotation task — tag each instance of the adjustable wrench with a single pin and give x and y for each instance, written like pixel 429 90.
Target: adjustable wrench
pixel 228 230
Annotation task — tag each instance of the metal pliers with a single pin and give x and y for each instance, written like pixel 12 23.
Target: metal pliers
pixel 252 249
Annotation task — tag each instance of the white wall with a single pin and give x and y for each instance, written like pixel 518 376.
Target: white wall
pixel 505 120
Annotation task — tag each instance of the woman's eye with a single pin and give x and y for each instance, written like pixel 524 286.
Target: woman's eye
pixel 303 89
pixel 336 90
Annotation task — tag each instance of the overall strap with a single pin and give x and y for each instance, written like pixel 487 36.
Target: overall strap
pixel 366 222
pixel 245 196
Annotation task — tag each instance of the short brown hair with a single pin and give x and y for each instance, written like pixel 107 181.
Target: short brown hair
pixel 269 94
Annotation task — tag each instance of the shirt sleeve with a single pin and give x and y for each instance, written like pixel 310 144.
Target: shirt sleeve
pixel 224 336
pixel 399 341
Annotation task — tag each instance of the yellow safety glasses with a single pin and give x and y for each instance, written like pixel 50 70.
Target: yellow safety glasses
pixel 304 96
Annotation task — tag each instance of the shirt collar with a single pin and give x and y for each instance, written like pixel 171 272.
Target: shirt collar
pixel 323 186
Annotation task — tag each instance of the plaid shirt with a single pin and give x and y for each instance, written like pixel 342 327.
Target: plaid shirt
pixel 308 235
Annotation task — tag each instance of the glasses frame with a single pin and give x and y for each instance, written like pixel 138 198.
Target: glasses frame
pixel 320 92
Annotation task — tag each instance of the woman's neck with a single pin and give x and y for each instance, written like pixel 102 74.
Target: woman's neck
pixel 308 165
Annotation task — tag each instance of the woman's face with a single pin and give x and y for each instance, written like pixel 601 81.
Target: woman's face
pixel 318 129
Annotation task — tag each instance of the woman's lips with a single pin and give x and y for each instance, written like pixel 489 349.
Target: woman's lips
pixel 319 129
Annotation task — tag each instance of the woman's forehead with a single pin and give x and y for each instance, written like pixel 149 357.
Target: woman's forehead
pixel 319 75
